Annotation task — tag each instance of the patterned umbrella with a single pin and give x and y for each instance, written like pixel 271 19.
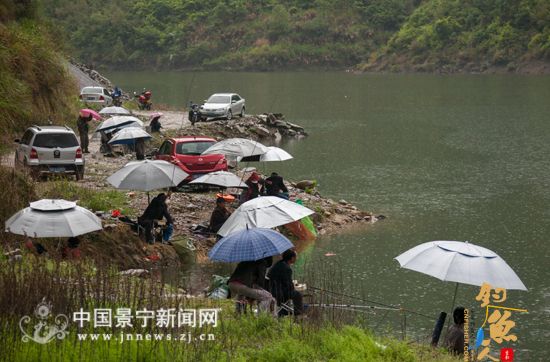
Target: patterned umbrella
pixel 249 245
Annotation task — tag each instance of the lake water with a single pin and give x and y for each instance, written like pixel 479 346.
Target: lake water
pixel 462 157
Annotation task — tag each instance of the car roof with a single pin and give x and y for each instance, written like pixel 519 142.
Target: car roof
pixel 224 94
pixel 192 138
pixel 51 129
pixel 92 87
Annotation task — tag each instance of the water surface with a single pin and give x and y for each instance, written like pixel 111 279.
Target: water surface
pixel 461 157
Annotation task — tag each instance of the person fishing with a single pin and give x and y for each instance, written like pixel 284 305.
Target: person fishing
pixel 281 284
pixel 275 186
pixel 157 210
pixel 219 215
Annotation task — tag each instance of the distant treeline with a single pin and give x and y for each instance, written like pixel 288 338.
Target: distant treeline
pixel 274 34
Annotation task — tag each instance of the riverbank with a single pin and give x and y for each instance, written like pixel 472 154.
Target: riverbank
pixel 190 209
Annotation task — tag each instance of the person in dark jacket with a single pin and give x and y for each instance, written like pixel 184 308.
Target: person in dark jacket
pixel 140 149
pixel 281 284
pixel 155 124
pixel 248 280
pixel 454 340
pixel 83 127
pixel 219 215
pixel 275 186
pixel 157 210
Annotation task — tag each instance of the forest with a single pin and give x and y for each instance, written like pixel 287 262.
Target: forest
pixel 295 34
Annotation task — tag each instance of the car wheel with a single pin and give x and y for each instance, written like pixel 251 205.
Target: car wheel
pixel 229 115
pixel 242 112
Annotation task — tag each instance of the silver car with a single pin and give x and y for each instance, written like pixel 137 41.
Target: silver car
pixel 96 95
pixel 50 150
pixel 224 105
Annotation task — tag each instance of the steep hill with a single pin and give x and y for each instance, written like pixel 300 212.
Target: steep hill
pixel 391 35
pixel 34 84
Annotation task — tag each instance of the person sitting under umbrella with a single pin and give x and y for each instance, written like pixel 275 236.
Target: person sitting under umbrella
pixel 274 186
pixel 219 215
pixel 156 210
pixel 140 149
pixel 248 280
pixel 155 123
pixel 253 183
pixel 281 284
pixel 454 340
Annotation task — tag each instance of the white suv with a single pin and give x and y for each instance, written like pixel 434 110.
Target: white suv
pixel 50 150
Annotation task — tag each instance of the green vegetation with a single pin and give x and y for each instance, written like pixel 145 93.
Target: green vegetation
pixel 391 35
pixel 69 287
pixel 34 83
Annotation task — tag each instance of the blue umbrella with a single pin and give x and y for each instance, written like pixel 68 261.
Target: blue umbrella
pixel 249 245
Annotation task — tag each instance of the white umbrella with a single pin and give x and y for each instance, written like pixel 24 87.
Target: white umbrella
pixel 460 262
pixel 236 147
pixel 128 135
pixel 264 212
pixel 220 178
pixel 119 122
pixel 272 154
pixel 147 175
pixel 49 218
pixel 114 111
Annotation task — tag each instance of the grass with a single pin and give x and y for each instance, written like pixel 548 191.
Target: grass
pixel 70 287
pixel 93 199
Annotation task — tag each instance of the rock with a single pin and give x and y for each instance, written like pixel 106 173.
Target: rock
pixel 261 131
pixel 343 202
pixel 305 184
pixel 277 136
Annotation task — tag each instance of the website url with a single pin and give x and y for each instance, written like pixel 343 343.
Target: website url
pixel 134 337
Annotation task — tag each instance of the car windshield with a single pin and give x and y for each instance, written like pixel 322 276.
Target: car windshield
pixel 218 99
pixel 91 90
pixel 193 148
pixel 52 140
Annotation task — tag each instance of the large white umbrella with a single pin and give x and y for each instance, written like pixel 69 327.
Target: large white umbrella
pixel 114 111
pixel 461 262
pixel 147 176
pixel 264 212
pixel 119 122
pixel 220 178
pixel 272 154
pixel 129 135
pixel 237 147
pixel 50 218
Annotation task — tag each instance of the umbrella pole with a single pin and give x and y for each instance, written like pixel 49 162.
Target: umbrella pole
pixel 148 200
pixel 452 307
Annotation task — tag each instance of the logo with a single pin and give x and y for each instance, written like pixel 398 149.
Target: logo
pixel 46 328
pixel 200 159
pixel 506 354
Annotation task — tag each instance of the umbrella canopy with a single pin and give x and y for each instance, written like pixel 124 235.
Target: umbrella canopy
pixel 87 112
pixel 461 262
pixel 49 218
pixel 264 212
pixel 272 154
pixel 236 147
pixel 119 122
pixel 220 178
pixel 147 175
pixel 249 245
pixel 114 111
pixel 155 115
pixel 129 135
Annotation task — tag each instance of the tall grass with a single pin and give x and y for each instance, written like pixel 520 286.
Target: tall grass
pixel 70 287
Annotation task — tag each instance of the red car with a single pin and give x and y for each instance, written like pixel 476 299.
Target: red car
pixel 186 153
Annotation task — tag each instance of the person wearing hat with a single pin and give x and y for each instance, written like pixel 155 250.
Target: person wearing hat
pixel 219 215
pixel 253 183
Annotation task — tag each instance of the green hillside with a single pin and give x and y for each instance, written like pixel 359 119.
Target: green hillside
pixel 34 84
pixel 391 35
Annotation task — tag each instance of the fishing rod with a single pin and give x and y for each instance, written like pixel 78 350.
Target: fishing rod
pixel 352 306
pixel 188 92
pixel 369 301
